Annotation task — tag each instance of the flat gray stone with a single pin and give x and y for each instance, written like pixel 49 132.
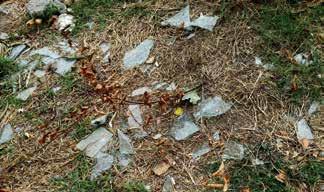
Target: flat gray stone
pixel 168 185
pixel 40 73
pixel 204 149
pixel 65 22
pixel 135 120
pixel 192 96
pixel 24 95
pixel 93 144
pixel 4 36
pixel 100 120
pixel 313 108
pixel 124 160
pixel 56 89
pixel 216 136
pixel 105 49
pixel 266 66
pixel 212 107
pixel 6 134
pixel 17 51
pixel 125 144
pixel 141 91
pixel 183 128
pixel 64 65
pixel 233 150
pixel 302 59
pixel 37 8
pixel 138 55
pixel 181 19
pixel 45 51
pixel 103 163
pixel 303 130
pixel 205 22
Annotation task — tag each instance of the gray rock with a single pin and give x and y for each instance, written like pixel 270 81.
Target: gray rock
pixel 64 65
pixel 313 108
pixel 105 47
pixel 205 22
pixel 56 89
pixel 259 62
pixel 183 128
pixel 4 36
pixel 65 22
pixel 125 144
pixel 103 163
pixel 17 51
pixel 135 120
pixel 138 55
pixel 168 185
pixel 100 120
pixel 6 134
pixel 45 51
pixel 303 130
pixel 39 73
pixel 212 107
pixel 216 136
pixel 192 96
pixel 204 149
pixel 302 59
pixel 233 151
pixel 37 8
pixel 181 19
pixel 257 161
pixel 93 144
pixel 141 91
pixel 24 95
pixel 124 160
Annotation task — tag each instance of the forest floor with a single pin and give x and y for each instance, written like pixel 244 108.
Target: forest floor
pixel 267 103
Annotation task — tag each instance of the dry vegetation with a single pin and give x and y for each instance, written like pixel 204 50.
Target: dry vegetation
pixel 216 63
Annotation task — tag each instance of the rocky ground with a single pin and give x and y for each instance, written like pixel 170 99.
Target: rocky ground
pixel 109 95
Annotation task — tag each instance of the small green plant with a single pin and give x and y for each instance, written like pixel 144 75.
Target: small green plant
pixel 78 180
pixel 285 31
pixel 7 67
pixel 312 172
pixel 68 81
pixel 82 129
pixel 134 187
pixel 10 100
pixel 101 11
pixel 50 11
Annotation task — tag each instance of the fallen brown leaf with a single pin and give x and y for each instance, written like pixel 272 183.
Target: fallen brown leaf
pixel 282 176
pixel 215 185
pixel 226 182
pixel 161 168
pixel 305 143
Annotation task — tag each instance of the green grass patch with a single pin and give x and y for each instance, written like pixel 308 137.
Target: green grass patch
pixel 68 81
pixel 261 178
pixel 101 11
pixel 312 172
pixel 78 180
pixel 7 67
pixel 10 100
pixel 281 29
pixel 134 187
pixel 82 129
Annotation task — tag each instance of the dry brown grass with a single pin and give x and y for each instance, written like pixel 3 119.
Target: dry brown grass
pixel 222 61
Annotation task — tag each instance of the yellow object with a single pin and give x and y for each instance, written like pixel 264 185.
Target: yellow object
pixel 178 111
